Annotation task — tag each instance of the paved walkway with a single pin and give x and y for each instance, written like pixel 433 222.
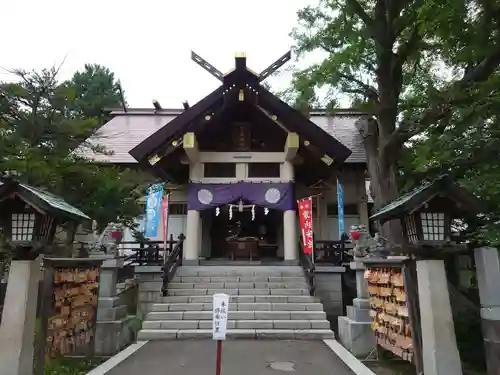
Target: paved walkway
pixel 255 357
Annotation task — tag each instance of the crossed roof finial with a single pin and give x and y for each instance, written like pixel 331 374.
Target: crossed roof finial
pixel 240 60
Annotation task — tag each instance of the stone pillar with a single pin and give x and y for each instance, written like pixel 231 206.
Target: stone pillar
pixel 363 213
pixel 17 331
pixel 439 345
pixel 150 280
pixel 112 332
pixel 355 330
pixel 192 242
pixel 488 278
pixel 290 239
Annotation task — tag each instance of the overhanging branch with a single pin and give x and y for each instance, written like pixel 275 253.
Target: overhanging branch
pixel 364 89
pixel 431 116
pixel 360 12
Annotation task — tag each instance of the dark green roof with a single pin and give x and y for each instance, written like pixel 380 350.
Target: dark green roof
pixel 49 202
pixel 423 194
pixel 55 202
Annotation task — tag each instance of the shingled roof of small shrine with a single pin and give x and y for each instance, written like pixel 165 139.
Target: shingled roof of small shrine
pixel 417 197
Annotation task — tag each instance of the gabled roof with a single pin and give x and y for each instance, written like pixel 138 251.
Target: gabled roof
pixel 127 129
pixel 416 198
pixel 48 202
pixel 240 85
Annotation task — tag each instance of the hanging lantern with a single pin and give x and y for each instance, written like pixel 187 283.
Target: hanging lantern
pixel 217 211
pixel 266 211
pixel 253 212
pixel 230 212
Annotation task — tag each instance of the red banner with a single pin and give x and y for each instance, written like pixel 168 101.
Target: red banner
pixel 164 216
pixel 306 223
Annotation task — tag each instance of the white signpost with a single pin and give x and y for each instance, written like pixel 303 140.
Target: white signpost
pixel 219 321
pixel 219 324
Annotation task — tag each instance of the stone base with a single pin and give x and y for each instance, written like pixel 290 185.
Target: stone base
pixel 358 315
pixel 113 336
pixel 108 302
pixel 361 303
pixel 357 337
pixel 111 313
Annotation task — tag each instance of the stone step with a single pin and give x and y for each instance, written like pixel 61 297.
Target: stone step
pixel 237 285
pixel 236 279
pixel 241 306
pixel 290 334
pixel 238 315
pixel 239 292
pixel 237 299
pixel 269 271
pixel 238 324
pixel 232 284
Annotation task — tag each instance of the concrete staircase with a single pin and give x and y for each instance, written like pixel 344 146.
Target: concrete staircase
pixel 267 302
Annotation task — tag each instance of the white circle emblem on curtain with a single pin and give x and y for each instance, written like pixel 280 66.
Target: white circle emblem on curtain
pixel 205 196
pixel 272 195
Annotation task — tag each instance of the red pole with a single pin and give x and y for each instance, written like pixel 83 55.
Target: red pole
pixel 219 357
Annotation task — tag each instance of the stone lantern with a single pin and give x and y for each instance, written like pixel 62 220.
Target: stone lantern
pixel 427 213
pixel 29 216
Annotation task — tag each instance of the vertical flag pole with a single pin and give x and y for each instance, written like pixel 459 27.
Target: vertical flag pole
pixel 340 208
pixel 312 229
pixel 165 207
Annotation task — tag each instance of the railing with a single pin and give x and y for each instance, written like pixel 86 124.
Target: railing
pixel 308 265
pixel 129 297
pixel 146 253
pixel 173 259
pixel 332 252
pixel 3 291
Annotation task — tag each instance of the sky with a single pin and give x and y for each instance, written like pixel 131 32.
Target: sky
pixel 148 43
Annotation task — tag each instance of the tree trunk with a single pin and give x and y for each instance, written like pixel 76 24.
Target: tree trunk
pixel 383 183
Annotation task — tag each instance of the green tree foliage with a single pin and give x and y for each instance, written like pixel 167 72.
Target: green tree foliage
pixel 42 121
pixel 414 66
pixel 95 89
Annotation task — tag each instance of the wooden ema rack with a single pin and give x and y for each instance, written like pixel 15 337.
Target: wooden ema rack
pixel 389 310
pixel 71 325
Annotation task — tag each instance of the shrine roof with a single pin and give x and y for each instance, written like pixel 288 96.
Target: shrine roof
pixel 41 198
pixel 421 195
pixel 137 134
pixel 127 129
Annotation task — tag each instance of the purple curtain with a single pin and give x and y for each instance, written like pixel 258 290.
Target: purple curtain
pixel 278 196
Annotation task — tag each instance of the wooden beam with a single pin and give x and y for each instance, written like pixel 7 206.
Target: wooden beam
pixel 291 146
pixel 207 66
pixel 275 66
pixel 157 105
pixel 190 146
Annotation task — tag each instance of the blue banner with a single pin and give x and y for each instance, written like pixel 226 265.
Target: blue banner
pixel 340 208
pixel 153 210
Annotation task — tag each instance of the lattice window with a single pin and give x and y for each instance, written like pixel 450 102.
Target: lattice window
pixel 411 228
pixel 23 226
pixel 45 227
pixel 432 226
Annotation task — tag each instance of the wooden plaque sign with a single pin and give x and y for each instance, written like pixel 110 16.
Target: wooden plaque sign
pixel 241 136
pixel 390 310
pixel 71 311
